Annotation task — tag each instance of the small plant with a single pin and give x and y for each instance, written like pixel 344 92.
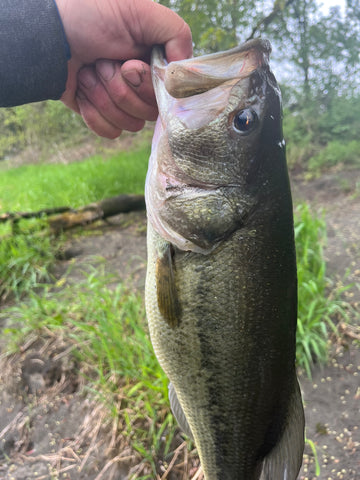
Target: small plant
pixel 314 452
pixel 111 343
pixel 25 258
pixel 317 305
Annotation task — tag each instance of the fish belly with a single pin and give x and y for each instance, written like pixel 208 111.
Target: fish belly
pixel 229 349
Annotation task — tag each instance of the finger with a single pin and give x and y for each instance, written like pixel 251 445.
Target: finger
pixel 125 97
pixel 94 120
pixel 137 74
pixel 159 25
pixel 96 94
pixel 179 47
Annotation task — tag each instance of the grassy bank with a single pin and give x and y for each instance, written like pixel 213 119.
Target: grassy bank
pixel 27 251
pixel 106 329
pixel 26 255
pixel 34 187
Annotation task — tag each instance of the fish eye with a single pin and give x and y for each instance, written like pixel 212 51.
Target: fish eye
pixel 245 120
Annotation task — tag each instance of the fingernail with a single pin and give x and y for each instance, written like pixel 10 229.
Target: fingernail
pixel 105 69
pixel 133 77
pixel 87 78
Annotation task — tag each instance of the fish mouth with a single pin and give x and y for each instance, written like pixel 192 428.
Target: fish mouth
pixel 193 76
pixel 203 84
pixel 173 186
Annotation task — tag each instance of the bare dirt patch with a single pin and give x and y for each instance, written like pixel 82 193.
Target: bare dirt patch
pixel 51 429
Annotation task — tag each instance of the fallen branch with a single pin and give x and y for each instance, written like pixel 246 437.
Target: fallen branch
pixel 16 216
pixel 63 218
pixel 97 211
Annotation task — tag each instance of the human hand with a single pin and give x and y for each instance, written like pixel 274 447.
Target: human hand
pixel 109 81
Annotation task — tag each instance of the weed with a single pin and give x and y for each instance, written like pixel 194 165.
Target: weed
pixel 314 452
pixel 318 303
pixel 25 258
pixel 335 153
pixel 111 343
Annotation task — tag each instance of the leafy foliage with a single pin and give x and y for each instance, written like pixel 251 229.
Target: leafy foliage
pixel 25 259
pixel 42 126
pixel 216 25
pixel 108 331
pixel 320 136
pixel 336 153
pixel 318 304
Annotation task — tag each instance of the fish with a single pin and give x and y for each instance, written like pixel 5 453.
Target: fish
pixel 221 282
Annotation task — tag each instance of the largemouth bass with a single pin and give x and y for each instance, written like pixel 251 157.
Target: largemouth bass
pixel 221 288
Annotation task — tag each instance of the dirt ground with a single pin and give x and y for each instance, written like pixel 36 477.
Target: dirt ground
pixel 60 433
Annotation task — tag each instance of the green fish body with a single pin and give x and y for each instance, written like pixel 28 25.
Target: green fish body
pixel 221 288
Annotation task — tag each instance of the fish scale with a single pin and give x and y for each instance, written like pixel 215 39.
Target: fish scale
pixel 221 289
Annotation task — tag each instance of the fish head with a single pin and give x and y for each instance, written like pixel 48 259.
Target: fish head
pixel 222 107
pixel 219 128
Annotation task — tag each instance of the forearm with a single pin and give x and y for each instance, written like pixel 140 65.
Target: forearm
pixel 33 52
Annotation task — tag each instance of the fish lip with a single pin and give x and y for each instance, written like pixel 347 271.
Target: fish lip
pixel 172 184
pixel 209 187
pixel 189 77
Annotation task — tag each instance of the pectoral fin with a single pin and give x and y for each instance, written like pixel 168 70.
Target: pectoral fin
pixel 167 294
pixel 285 459
pixel 178 411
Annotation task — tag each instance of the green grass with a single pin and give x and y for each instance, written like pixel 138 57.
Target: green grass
pixel 111 342
pixel 26 257
pixel 110 339
pixel 337 154
pixel 319 304
pixel 34 187
pixel 107 327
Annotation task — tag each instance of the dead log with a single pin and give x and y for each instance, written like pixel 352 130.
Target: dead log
pixel 16 216
pixel 97 211
pixel 63 218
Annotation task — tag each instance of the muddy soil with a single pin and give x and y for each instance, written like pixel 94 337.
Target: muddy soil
pixel 51 429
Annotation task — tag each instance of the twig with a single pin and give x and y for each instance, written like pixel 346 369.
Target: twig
pixel 16 216
pixel 185 464
pixel 92 445
pixel 10 425
pixel 199 474
pixel 173 460
pixel 264 22
pixel 117 459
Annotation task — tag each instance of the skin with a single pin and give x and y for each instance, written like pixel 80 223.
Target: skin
pixel 109 81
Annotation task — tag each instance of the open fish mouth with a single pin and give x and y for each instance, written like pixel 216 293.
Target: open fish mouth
pixel 194 76
pixel 203 86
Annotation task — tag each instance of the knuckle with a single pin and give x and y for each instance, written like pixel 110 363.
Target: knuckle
pixel 119 94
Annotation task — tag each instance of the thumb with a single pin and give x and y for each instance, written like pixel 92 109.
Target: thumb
pixel 160 25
